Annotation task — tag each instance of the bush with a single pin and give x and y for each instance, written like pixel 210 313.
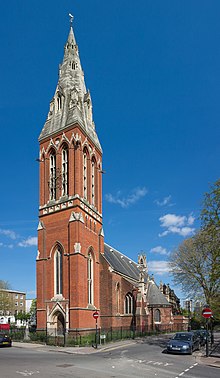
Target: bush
pixel 38 337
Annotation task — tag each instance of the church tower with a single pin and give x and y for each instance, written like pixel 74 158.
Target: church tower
pixel 70 234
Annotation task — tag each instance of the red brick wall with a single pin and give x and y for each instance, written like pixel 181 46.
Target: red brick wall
pixel 57 230
pixel 109 281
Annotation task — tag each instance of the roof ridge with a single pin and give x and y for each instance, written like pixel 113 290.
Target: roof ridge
pixel 116 250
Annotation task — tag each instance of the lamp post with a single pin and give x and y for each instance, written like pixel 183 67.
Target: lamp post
pixel 95 316
pixel 189 315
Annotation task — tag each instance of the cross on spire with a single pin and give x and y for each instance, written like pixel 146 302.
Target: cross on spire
pixel 71 19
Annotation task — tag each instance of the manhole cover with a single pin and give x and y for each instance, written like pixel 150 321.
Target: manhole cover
pixel 64 365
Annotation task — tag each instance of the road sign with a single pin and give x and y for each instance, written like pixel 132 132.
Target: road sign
pixel 207 312
pixel 95 315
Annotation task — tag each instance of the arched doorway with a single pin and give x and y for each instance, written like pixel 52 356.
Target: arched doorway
pixel 60 324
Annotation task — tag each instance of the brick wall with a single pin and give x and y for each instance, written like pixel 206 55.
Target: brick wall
pixel 75 237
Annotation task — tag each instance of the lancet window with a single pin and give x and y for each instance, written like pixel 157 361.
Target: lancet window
pixel 128 304
pixel 85 175
pixel 157 316
pixel 52 182
pixel 90 274
pixel 58 272
pixel 93 182
pixel 65 171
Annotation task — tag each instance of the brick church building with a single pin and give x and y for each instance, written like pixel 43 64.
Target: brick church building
pixel 77 273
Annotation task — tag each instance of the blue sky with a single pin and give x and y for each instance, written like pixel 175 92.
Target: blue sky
pixel 153 70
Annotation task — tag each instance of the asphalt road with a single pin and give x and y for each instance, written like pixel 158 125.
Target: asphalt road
pixel 141 359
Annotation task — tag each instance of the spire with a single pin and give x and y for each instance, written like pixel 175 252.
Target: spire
pixel 72 102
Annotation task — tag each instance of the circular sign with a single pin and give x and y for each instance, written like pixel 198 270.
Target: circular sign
pixel 207 312
pixel 95 315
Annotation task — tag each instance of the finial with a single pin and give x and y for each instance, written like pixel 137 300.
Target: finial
pixel 71 19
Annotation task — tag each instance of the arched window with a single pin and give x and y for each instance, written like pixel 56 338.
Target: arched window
pixel 90 278
pixel 128 305
pixel 65 171
pixel 58 272
pixel 93 181
pixel 59 102
pixel 52 176
pixel 85 175
pixel 74 65
pixel 157 316
pixel 118 298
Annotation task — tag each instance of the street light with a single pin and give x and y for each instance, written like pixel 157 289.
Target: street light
pixel 189 315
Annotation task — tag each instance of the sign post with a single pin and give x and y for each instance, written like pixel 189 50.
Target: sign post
pixel 95 316
pixel 207 313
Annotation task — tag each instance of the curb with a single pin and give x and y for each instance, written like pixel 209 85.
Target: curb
pixel 210 361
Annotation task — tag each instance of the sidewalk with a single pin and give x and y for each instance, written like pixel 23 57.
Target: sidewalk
pixel 213 359
pixel 214 356
pixel 74 350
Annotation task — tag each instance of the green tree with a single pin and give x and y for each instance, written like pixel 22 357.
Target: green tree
pixel 5 299
pixel 4 285
pixel 195 264
pixel 210 218
pixel 210 214
pixel 23 316
pixel 33 307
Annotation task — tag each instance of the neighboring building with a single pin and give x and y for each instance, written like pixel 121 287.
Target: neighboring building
pixel 28 305
pixel 12 302
pixel 77 273
pixel 187 305
pixel 198 307
pixel 171 297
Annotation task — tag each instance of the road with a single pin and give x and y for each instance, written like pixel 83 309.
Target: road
pixel 140 359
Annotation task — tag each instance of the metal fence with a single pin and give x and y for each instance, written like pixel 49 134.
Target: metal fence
pixel 88 338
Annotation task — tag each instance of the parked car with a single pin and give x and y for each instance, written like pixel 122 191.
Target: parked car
pixel 5 340
pixel 183 342
pixel 203 335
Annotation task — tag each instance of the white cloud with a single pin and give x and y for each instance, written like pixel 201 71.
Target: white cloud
pixel 158 267
pixel 191 220
pixel 10 246
pixel 9 233
pixel 129 200
pixel 29 242
pixel 166 201
pixel 160 250
pixel 172 220
pixel 177 224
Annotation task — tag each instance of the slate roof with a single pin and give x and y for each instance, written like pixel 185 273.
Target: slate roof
pixel 154 295
pixel 128 268
pixel 121 263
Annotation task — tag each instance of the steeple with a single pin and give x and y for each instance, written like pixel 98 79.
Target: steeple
pixel 71 102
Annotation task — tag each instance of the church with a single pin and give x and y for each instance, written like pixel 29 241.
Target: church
pixel 77 272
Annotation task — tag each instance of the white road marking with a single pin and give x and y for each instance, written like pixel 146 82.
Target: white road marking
pixel 191 367
pixel 27 373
